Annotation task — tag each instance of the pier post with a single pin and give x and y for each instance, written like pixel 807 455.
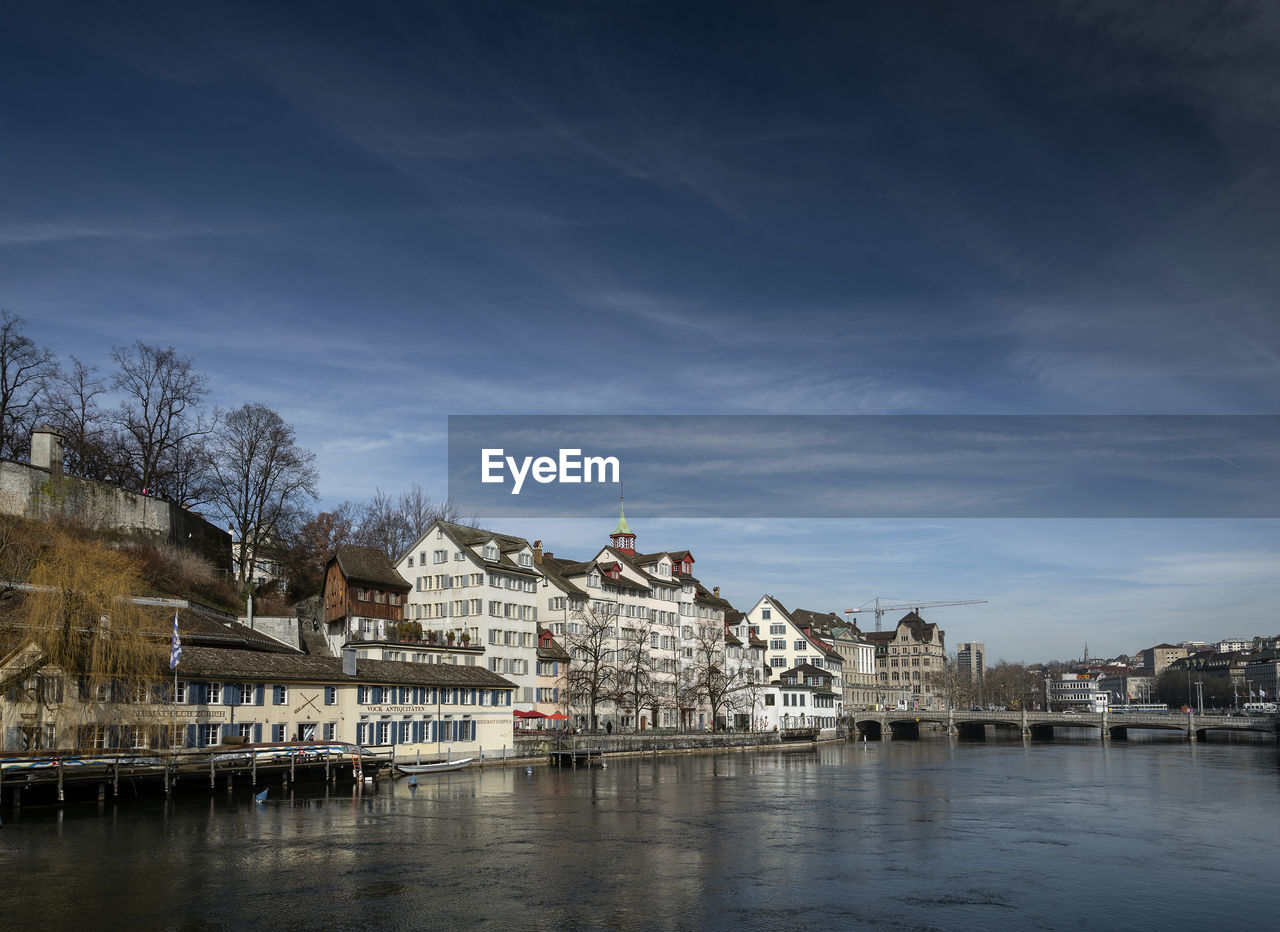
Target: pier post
pixel 951 722
pixel 213 785
pixel 253 770
pixel 61 794
pixel 1026 731
pixel 115 778
pixel 1106 732
pixel 293 760
pixel 102 790
pixel 1191 726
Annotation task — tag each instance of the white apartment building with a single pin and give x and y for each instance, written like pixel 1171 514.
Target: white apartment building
pixel 483 587
pixel 795 639
pixel 653 600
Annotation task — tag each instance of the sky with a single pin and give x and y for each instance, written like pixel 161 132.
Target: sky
pixel 373 216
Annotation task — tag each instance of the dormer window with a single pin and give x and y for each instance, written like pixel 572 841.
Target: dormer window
pixel 526 559
pixel 594 580
pixel 490 552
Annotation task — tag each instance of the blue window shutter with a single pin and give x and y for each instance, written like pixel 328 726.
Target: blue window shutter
pixel 395 732
pixel 257 733
pixel 259 695
pixel 226 730
pixel 191 736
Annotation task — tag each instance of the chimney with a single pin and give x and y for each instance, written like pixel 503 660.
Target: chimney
pixel 537 552
pixel 348 661
pixel 548 555
pixel 716 591
pixel 46 449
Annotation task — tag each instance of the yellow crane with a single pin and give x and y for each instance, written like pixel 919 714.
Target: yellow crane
pixel 907 606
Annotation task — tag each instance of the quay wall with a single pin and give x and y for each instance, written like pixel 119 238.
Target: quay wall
pixel 540 746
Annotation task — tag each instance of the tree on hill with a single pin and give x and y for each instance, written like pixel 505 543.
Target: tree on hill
pixel 87 650
pixel 24 368
pixel 162 430
pixel 261 478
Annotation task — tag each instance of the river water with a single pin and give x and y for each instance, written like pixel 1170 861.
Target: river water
pixel 935 833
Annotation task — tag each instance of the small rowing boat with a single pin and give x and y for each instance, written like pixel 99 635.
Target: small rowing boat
pixel 437 767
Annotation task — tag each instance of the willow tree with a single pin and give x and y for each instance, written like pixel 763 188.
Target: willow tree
pixel 86 655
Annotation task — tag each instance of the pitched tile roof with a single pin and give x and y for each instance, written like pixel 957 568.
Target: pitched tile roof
pixel 256 665
pixel 370 565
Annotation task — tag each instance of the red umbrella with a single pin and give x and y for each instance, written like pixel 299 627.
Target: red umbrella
pixel 558 716
pixel 534 715
pixel 518 714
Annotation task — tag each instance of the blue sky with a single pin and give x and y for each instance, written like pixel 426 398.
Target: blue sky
pixel 373 216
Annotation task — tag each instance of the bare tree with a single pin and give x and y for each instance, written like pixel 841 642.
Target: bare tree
pixel 311 539
pixel 159 417
pixel 90 447
pixel 590 643
pixel 24 369
pixel 392 524
pixel 711 679
pixel 261 477
pixel 633 681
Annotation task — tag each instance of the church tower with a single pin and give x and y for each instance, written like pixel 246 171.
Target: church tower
pixel 622 537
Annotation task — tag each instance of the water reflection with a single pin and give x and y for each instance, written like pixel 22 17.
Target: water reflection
pixel 938 833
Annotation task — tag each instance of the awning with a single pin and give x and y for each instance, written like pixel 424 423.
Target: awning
pixel 535 714
pixel 558 716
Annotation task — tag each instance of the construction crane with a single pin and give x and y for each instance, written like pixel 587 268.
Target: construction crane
pixel 908 606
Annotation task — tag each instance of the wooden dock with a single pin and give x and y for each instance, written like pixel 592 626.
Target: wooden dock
pixel 577 755
pixel 54 777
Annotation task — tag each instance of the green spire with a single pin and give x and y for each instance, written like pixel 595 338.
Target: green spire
pixel 622 522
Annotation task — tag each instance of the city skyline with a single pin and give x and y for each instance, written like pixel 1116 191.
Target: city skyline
pixel 377 218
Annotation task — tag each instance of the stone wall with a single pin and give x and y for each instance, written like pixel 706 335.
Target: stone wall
pixel 30 492
pixel 283 628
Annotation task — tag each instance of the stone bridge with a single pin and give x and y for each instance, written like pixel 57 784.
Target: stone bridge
pixel 906 724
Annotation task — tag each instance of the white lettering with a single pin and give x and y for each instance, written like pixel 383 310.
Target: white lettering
pixel 569 467
pixel 600 462
pixel 489 461
pixel 517 473
pixel 544 470
pixel 568 464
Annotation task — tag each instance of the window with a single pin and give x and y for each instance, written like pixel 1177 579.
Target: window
pixel 280 696
pixel 768 700
pixel 801 644
pixel 777 629
pixel 766 614
pixel 526 559
pixel 778 644
pixel 213 694
pixel 212 735
pixel 331 695
pixel 277 732
pixel 457 556
pixel 441 556
pixel 410 562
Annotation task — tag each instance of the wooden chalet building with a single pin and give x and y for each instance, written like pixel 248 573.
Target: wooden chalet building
pixel 364 596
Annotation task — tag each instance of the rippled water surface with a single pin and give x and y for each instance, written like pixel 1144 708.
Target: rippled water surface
pixel 905 834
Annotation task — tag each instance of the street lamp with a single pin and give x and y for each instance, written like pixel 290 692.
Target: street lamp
pixel 1200 694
